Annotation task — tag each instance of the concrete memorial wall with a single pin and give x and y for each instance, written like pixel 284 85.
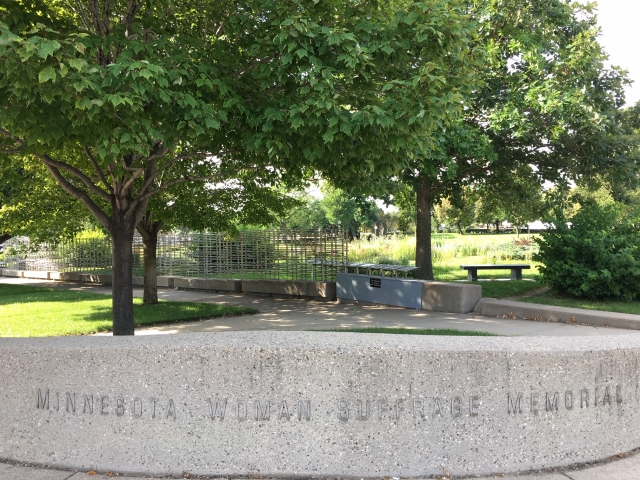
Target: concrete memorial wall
pixel 316 403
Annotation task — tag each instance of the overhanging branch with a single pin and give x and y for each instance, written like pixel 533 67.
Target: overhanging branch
pixel 74 191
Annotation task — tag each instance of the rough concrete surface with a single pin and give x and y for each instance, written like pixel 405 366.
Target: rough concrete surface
pixel 224 285
pixel 12 273
pixel 450 297
pixel 65 276
pixel 378 405
pixel 301 288
pixel 493 307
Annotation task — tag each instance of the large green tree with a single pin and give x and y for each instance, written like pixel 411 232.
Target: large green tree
pixel 121 99
pixel 546 106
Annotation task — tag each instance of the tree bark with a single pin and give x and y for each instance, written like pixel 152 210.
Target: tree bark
pixel 459 228
pixel 424 262
pixel 122 285
pixel 150 296
pixel 497 226
pixel 149 230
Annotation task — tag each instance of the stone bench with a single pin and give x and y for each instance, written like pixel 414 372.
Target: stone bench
pixel 516 270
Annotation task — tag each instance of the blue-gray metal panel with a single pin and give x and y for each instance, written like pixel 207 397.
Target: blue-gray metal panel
pixel 399 292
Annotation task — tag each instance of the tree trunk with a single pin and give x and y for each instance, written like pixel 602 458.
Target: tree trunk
pixel 459 228
pixel 497 226
pixel 424 262
pixel 122 289
pixel 517 233
pixel 149 229
pixel 150 296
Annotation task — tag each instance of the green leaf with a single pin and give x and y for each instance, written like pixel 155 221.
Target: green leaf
pixel 47 74
pixel 47 48
pixel 212 123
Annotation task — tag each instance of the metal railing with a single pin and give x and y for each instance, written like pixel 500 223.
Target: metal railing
pixel 252 254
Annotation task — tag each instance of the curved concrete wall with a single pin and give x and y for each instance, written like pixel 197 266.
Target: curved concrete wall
pixel 311 403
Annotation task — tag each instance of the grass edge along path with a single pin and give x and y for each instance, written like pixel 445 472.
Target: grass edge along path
pixel 414 331
pixel 27 311
pixel 507 288
pixel 610 305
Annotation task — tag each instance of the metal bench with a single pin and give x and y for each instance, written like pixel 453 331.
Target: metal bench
pixel 516 270
pixel 368 268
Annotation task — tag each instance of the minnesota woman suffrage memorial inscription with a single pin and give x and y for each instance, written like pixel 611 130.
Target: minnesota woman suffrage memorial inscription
pixel 317 403
pixel 419 408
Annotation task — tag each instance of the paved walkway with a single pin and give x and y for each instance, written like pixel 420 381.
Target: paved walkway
pixel 296 314
pixel 626 468
pixel 299 314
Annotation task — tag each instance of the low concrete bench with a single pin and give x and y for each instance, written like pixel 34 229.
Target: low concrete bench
pixel 516 270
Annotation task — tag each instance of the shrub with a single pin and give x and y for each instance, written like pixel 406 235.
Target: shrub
pixel 597 257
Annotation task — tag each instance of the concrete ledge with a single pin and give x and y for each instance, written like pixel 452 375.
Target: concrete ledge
pixel 12 273
pixel 450 297
pixel 318 404
pixel 36 274
pixel 95 278
pixel 492 307
pixel 65 276
pixel 298 288
pixel 214 284
pixel 166 281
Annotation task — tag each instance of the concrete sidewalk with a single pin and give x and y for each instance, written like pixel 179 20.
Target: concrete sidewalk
pixel 626 468
pixel 300 314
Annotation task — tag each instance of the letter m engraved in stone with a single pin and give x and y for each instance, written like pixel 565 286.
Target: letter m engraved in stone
pixel 43 401
pixel 551 402
pixel 217 409
pixel 514 404
pixel 263 414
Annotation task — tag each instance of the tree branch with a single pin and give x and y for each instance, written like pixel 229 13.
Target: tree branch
pixel 74 191
pixel 16 140
pixel 81 176
pixel 98 170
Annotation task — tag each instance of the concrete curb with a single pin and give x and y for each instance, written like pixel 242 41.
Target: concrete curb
pixel 494 307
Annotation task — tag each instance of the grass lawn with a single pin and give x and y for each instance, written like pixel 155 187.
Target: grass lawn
pixel 417 331
pixel 620 306
pixel 42 312
pixel 510 288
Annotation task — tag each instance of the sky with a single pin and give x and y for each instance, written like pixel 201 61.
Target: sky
pixel 620 38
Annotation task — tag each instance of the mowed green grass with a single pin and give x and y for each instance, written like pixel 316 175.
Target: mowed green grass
pixel 43 312
pixel 619 306
pixel 508 288
pixel 417 331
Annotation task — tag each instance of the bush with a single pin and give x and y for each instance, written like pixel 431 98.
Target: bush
pixel 597 257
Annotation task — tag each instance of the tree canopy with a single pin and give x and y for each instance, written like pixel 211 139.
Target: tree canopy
pixel 122 100
pixel 545 109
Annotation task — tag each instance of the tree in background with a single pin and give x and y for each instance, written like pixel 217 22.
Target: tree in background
pixel 545 101
pixel 122 101
pixel 333 209
pixel 520 203
pixel 32 204
pixel 460 214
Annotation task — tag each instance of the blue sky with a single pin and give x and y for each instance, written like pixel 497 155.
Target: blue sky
pixel 620 37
